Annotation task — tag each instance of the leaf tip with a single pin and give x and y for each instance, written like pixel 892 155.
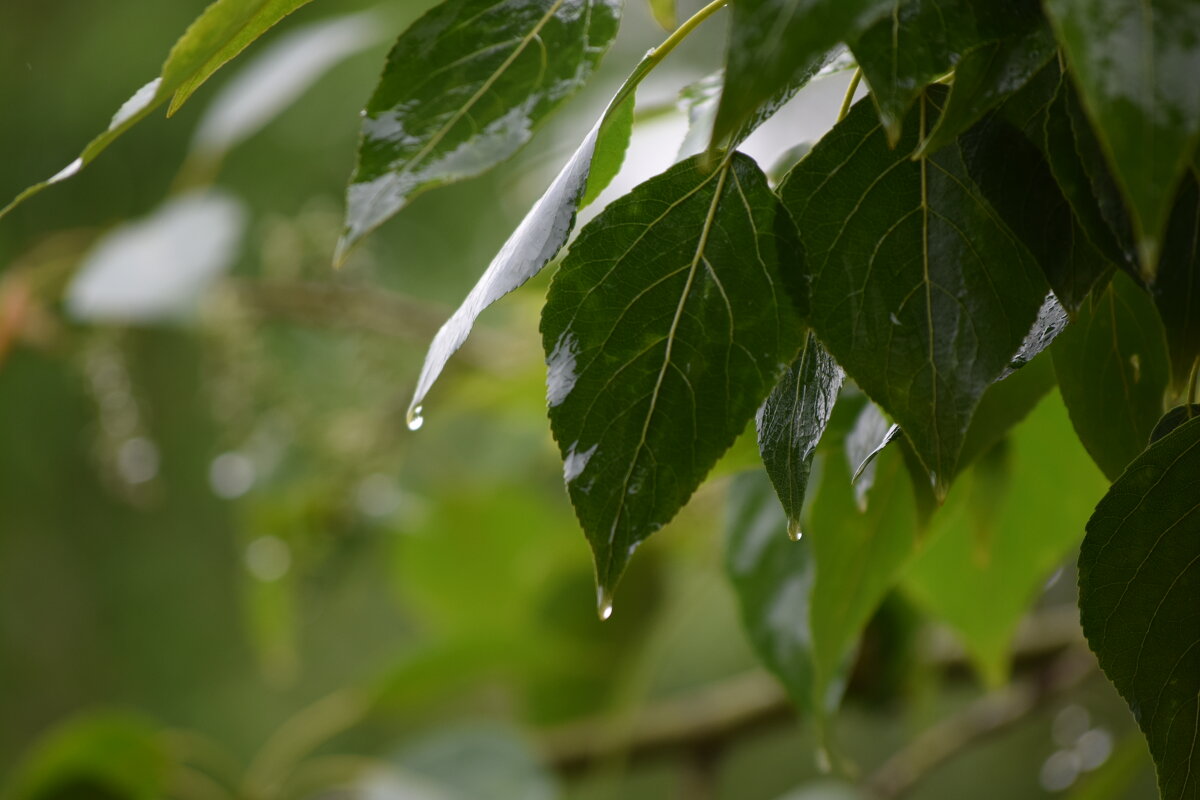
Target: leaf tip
pixel 604 602
pixel 793 529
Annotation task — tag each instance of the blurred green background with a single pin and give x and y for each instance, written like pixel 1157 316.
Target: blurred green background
pixel 228 569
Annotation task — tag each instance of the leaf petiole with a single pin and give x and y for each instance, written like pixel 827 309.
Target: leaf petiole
pixel 850 90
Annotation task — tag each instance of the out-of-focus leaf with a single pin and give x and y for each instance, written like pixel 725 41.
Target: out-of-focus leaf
pixel 918 291
pixel 159 267
pixel 777 45
pixel 980 571
pixel 665 328
pixel 1113 370
pixel 456 99
pixel 1176 287
pixel 791 421
pixel 922 40
pixel 699 100
pixel 224 29
pixel 464 763
pixel 1138 584
pixel 1004 405
pixel 664 13
pixel 772 578
pixel 104 755
pixel 275 78
pixel 1135 62
pixel 986 76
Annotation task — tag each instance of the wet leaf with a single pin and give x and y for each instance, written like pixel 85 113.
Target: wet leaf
pixel 1112 368
pixel 791 421
pixel 1135 62
pixel 1138 584
pixel 980 571
pixel 456 99
pixel 224 29
pixel 665 329
pixel 776 46
pixel 918 290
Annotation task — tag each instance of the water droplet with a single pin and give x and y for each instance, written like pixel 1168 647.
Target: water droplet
pixel 415 420
pixel 793 530
pixel 603 603
pixel 895 320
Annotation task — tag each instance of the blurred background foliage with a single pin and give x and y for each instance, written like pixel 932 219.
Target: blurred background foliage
pixel 228 570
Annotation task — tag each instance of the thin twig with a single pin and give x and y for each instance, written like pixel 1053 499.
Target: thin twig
pixel 854 80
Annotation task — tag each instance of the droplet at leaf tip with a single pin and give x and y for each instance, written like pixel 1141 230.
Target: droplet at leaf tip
pixel 793 530
pixel 415 419
pixel 604 603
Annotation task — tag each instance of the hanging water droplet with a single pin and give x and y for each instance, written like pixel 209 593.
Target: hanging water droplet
pixel 415 420
pixel 793 530
pixel 603 603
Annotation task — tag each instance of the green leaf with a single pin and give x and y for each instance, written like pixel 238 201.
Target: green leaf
pixel 919 291
pixel 664 14
pixel 1004 405
pixel 611 143
pixel 791 421
pixel 108 755
pixel 224 29
pixel 1019 184
pixel 859 556
pixel 921 40
pixel 1136 63
pixel 1173 419
pixel 483 89
pixel 772 578
pixel 1112 368
pixel 1139 578
pixel 665 328
pixel 988 75
pixel 1000 534
pixel 1176 288
pixel 777 45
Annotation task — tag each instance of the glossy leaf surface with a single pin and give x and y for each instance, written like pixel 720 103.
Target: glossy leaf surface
pixel 772 578
pixel 776 44
pixel 1112 368
pixel 922 314
pixel 665 328
pixel 921 40
pixel 1000 535
pixel 791 421
pixel 457 99
pixel 224 29
pixel 1176 288
pixel 1139 578
pixel 1136 63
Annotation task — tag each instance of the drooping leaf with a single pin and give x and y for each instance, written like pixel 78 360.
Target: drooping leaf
pixel 1139 580
pixel 980 571
pixel 776 45
pixel 922 40
pixel 1135 62
pixel 541 234
pixel 665 329
pixel 918 290
pixel 858 557
pixel 224 29
pixel 988 75
pixel 1113 370
pixel 791 421
pixel 772 578
pixel 1018 182
pixel 456 99
pixel 871 433
pixel 1176 288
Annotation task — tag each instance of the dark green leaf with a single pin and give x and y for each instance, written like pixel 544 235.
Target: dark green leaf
pixel 1000 534
pixel 1173 419
pixel 1139 580
pixel 1018 182
pixel 1136 62
pixel 772 578
pixel 918 290
pixel 791 422
pixel 665 329
pixel 986 76
pixel 777 45
pixel 1112 368
pixel 224 29
pixel 1176 288
pixel 921 40
pixel 456 99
